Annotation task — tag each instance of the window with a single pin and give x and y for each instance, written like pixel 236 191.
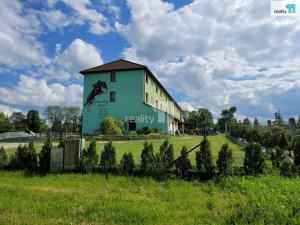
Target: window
pixel 147 78
pixel 112 76
pixel 152 101
pixel 112 96
pixel 147 97
pixel 160 93
pixel 156 88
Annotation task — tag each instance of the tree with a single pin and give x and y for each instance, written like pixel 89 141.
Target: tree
pixel 166 153
pixel 183 164
pixel 3 157
pixel 254 161
pixel 56 115
pixel 147 159
pixel 72 116
pixel 247 122
pixel 18 121
pixel 89 159
pixel 33 121
pixel 287 166
pixel 224 161
pixel 108 157
pixel 282 140
pixel 276 157
pixel 204 119
pixel 4 123
pixel 278 119
pixel 127 163
pixel 25 157
pixel 45 154
pixel 296 150
pixel 204 160
pixel 110 126
pixel 256 123
pixel 227 116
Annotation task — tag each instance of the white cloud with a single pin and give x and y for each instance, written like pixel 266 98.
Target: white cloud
pixel 66 64
pixel 7 110
pixel 33 92
pixel 79 55
pixel 56 19
pixel 18 32
pixel 98 23
pixel 219 56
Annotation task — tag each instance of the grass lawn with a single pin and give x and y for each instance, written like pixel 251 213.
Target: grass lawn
pixel 136 147
pixel 98 199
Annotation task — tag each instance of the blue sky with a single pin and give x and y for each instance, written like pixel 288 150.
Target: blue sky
pixel 207 53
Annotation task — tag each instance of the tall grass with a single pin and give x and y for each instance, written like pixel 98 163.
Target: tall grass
pixel 97 199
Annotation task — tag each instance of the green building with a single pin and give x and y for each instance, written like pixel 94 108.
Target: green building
pixel 129 92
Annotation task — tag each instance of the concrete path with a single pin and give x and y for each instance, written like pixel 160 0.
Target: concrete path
pixel 12 145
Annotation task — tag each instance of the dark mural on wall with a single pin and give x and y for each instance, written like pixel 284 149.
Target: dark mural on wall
pixel 98 89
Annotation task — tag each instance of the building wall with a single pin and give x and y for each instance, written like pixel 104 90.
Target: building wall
pixel 129 102
pixel 157 98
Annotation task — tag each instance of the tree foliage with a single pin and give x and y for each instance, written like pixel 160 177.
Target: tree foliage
pixel 296 150
pixel 25 157
pixel 204 120
pixel 127 164
pixel 254 161
pixel 147 159
pixel 3 157
pixel 45 153
pixel 108 157
pixel 4 123
pixel 183 164
pixel 224 161
pixel 111 126
pixel 277 157
pixel 89 158
pixel 18 121
pixel 33 121
pixel 204 160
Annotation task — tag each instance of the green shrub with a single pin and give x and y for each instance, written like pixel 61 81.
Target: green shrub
pixel 111 126
pixel 132 133
pixel 108 157
pixel 224 161
pixel 44 155
pixel 183 164
pixel 287 167
pixel 254 161
pixel 3 157
pixel 296 150
pixel 282 140
pixel 146 130
pixel 24 158
pixel 204 161
pixel 166 153
pixel 89 159
pixel 147 159
pixel 127 163
pixel 276 157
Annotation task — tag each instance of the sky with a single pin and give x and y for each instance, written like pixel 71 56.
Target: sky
pixel 207 53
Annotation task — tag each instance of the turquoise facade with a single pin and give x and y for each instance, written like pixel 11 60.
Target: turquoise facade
pixel 129 89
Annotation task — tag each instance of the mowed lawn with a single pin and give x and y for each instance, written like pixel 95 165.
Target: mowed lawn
pixel 136 147
pixel 98 199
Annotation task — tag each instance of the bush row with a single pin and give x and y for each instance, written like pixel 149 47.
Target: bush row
pixel 162 163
